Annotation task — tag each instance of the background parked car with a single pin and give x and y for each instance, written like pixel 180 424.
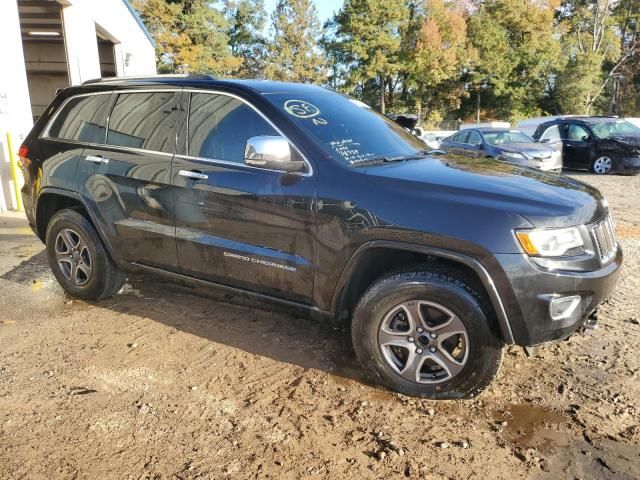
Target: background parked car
pixel 599 144
pixel 433 137
pixel 504 144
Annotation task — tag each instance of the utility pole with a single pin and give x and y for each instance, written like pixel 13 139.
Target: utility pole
pixel 478 107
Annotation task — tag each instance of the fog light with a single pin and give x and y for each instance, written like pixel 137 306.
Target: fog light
pixel 563 307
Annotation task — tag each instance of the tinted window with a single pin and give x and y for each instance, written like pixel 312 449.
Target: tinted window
pixel 81 119
pixel 219 127
pixel 347 129
pixel 474 138
pixel 460 137
pixel 577 133
pixel 144 120
pixel 551 134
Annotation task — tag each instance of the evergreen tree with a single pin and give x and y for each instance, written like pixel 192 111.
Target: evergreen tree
pixel 190 36
pixel 293 53
pixel 246 20
pixel 368 35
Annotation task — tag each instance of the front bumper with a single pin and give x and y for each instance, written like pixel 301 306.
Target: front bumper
pixel 533 289
pixel 629 166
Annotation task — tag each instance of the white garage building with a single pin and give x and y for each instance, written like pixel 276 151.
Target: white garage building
pixel 50 44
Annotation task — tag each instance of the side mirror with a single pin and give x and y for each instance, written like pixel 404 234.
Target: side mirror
pixel 585 138
pixel 545 140
pixel 272 153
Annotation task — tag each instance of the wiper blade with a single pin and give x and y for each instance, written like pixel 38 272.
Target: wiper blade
pixel 387 159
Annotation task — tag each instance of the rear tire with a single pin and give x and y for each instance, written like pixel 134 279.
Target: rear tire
pixel 426 334
pixel 78 258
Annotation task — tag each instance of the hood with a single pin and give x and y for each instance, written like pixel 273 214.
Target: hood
pixel 544 199
pixel 535 150
pixel 628 143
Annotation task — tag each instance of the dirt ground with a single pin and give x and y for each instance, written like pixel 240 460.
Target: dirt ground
pixel 161 382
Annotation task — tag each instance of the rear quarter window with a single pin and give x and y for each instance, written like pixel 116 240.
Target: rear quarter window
pixel 80 119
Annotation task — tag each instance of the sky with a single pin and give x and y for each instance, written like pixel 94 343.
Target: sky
pixel 325 7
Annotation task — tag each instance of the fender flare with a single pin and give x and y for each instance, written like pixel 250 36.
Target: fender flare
pixel 472 263
pixel 81 200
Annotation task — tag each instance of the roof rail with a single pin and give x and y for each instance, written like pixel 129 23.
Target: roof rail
pixel 190 76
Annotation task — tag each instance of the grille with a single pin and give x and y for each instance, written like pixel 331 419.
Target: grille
pixel 605 239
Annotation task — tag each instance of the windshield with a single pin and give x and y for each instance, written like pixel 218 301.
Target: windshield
pixel 507 136
pixel 349 130
pixel 614 128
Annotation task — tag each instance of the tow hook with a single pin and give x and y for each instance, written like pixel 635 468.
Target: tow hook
pixel 592 323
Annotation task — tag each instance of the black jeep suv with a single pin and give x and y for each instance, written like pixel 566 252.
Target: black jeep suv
pixel 298 194
pixel 600 144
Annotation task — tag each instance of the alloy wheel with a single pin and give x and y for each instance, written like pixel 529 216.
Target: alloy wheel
pixel 424 341
pixel 602 165
pixel 73 257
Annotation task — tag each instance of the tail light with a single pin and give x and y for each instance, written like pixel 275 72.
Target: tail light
pixel 23 155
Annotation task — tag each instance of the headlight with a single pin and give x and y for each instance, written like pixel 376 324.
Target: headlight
pixel 549 243
pixel 514 155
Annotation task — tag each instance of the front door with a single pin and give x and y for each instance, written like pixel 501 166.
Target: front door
pixel 577 147
pixel 239 225
pixel 127 181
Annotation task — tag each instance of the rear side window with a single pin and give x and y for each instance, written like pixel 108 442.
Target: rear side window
pixel 144 120
pixel 460 137
pixel 219 127
pixel 81 119
pixel 474 138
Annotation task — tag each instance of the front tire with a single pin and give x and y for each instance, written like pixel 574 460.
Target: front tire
pixel 78 258
pixel 426 334
pixel 603 165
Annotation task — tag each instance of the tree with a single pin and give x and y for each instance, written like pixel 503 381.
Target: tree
pixel 440 55
pixel 190 36
pixel 293 53
pixel 368 35
pixel 246 20
pixel 519 54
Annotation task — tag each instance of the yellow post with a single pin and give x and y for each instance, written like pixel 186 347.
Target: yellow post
pixel 14 171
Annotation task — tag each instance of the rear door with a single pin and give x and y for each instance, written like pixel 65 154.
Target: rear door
pixel 127 180
pixel 473 144
pixel 235 224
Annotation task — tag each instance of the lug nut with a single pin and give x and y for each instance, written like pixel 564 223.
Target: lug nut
pixel 420 330
pixel 411 339
pixel 419 351
pixel 432 349
pixel 433 335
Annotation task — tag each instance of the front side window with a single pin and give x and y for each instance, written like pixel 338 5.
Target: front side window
pixel 144 120
pixel 81 119
pixel 220 125
pixel 551 134
pixel 577 133
pixel 347 129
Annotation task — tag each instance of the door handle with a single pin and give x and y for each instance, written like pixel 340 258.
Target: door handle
pixel 194 175
pixel 96 159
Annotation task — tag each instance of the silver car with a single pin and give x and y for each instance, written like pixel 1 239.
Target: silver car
pixel 504 144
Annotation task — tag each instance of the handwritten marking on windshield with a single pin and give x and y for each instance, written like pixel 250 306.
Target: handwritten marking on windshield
pixel 301 109
pixel 348 149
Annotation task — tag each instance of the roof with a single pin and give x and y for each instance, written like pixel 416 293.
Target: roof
pixel 494 129
pixel 201 80
pixel 585 119
pixel 138 19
